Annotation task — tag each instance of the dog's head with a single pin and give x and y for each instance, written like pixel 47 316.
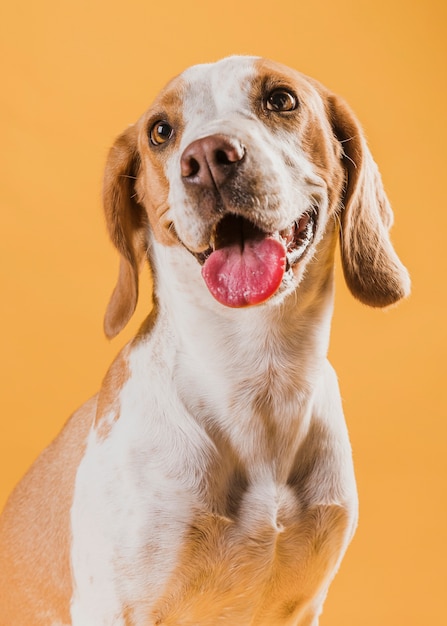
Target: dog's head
pixel 248 168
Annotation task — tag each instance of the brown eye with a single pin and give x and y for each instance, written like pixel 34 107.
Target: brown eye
pixel 281 100
pixel 160 133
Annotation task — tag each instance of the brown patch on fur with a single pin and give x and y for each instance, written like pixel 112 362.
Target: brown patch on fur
pixel 128 616
pixel 270 76
pixel 196 574
pixel 35 540
pixel 225 570
pixel 127 222
pixel 303 560
pixel 325 154
pixel 108 409
pixel 135 197
pixel 152 185
pixel 371 267
pixel 288 608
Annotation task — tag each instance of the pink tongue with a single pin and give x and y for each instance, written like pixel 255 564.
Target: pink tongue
pixel 240 277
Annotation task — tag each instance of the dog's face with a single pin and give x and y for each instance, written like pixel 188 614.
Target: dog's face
pixel 247 163
pixel 248 166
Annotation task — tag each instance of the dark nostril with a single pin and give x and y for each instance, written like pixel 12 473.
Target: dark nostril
pixel 229 153
pixel 222 158
pixel 190 166
pixel 193 167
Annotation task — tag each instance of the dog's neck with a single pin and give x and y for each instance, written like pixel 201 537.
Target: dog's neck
pixel 287 337
pixel 240 368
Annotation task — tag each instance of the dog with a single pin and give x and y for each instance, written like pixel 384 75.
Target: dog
pixel 210 481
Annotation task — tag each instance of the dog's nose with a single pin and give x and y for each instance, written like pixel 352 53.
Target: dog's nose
pixel 210 161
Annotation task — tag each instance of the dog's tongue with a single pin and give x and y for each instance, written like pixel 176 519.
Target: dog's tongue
pixel 247 266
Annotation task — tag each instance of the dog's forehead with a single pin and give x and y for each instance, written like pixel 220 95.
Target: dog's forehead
pixel 218 87
pixel 225 88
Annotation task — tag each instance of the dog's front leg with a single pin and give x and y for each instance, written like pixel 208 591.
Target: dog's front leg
pixel 127 521
pixel 96 598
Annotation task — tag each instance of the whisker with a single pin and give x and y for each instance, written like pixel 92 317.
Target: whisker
pixel 346 156
pixel 163 208
pixel 349 159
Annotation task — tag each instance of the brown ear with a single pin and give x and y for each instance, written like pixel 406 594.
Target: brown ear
pixel 372 270
pixel 127 223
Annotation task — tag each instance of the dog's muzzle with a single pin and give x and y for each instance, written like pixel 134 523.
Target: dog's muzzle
pixel 244 265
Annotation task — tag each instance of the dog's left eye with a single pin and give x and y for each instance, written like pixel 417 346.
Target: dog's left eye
pixel 160 132
pixel 281 100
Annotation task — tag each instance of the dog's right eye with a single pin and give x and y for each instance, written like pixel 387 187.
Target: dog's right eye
pixel 160 133
pixel 280 100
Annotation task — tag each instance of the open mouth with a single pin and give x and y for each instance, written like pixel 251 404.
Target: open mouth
pixel 245 266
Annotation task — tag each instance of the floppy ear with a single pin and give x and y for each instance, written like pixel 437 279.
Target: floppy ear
pixel 127 223
pixel 372 270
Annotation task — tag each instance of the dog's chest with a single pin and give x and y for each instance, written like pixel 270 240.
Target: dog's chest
pixel 263 567
pixel 171 526
pixel 171 556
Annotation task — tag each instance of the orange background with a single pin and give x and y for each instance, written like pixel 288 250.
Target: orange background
pixel 75 73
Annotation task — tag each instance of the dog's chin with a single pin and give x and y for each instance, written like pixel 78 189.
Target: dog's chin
pixel 245 265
